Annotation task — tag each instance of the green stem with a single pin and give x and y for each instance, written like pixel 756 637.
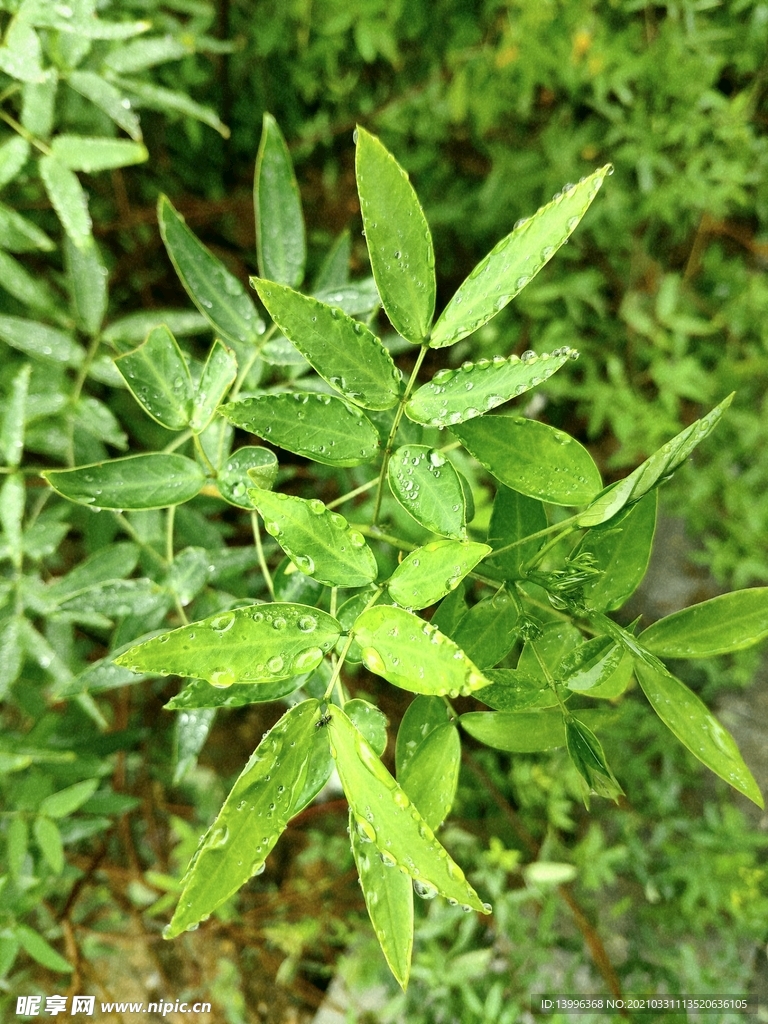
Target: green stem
pixel 393 431
pixel 352 494
pixel 169 525
pixel 345 650
pixel 133 534
pixel 178 441
pixel 539 556
pixel 24 133
pixel 204 458
pixel 243 374
pixel 566 526
pixel 550 680
pixel 260 555
pixel 376 534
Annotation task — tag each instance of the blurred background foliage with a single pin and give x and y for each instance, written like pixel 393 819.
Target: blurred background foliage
pixel 491 106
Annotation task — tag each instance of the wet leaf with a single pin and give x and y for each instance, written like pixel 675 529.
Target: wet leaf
pixel 487 633
pixel 696 727
pixel 343 351
pixel 40 341
pixel 334 270
pixel 428 487
pixel 398 239
pixel 325 429
pixel 590 664
pixel 514 261
pixel 200 694
pixel 255 644
pixel 67 198
pixel 726 623
pixel 13 417
pixel 513 690
pixel 191 729
pixel 244 468
pixel 358 298
pixel 423 715
pixel 17 234
pixel 385 818
pixel 280 242
pixel 252 819
pixel 524 732
pixel 454 396
pixel 320 542
pixel 218 375
pixel 432 571
pixel 155 480
pixel 514 517
pixel 412 654
pixel 431 774
pixel 158 378
pixel 87 277
pixel 532 458
pixel 370 721
pixel 107 98
pixel 586 753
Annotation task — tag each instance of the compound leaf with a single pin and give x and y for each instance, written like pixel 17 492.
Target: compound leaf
pixel 256 644
pixel 412 654
pixel 398 239
pixel 532 457
pixel 325 429
pixel 319 541
pixel 513 261
pixel 252 819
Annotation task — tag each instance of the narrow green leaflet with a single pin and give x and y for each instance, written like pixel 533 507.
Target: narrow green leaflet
pixel 147 94
pixel 218 375
pixel 343 351
pixel 255 644
pixel 428 487
pixel 109 99
pixel 385 818
pixel 422 716
pixel 87 278
pixel 655 470
pixel 524 732
pixel 320 542
pixel 12 498
pixel 253 818
pixel 155 480
pixel 454 396
pixel 388 897
pixel 130 330
pixel 191 730
pixel 14 153
pixel 17 844
pixel 488 630
pixel 513 690
pixel 514 261
pixel 149 52
pixel 358 298
pixel 514 516
pixel 280 242
pixel 696 727
pixel 14 418
pixel 319 427
pixel 586 753
pixel 18 234
pixel 621 549
pixel 431 774
pixel 726 623
pixel 243 468
pixel 68 199
pixel 319 769
pixel 43 952
pixel 89 154
pixel 590 664
pixel 432 571
pixel 414 655
pixel 40 341
pixel 198 693
pixel 532 458
pixel 334 270
pixel 158 378
pixel 217 293
pixel 67 801
pixel 48 839
pixel 398 239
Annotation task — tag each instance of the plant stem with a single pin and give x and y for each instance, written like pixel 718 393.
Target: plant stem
pixel 393 431
pixel 345 649
pixel 260 555
pixel 134 535
pixel 566 526
pixel 548 677
pixel 242 375
pixel 24 133
pixel 352 494
pixel 204 458
pixel 538 557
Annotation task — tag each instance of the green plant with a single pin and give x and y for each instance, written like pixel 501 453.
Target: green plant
pixel 340 598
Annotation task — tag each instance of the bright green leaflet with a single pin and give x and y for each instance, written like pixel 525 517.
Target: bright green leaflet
pixel 426 484
pixel 48 839
pixel 556 641
pixel 532 458
pixel 242 469
pixel 14 153
pixel 431 774
pixel 412 654
pixel 343 351
pixel 385 817
pixel 398 239
pixel 218 375
pixel 730 622
pixel 696 727
pixel 512 690
pixel 200 694
pixel 40 341
pixel 322 428
pixel 432 571
pixel 155 96
pixel 131 330
pixel 358 298
pixel 107 98
pixel 87 280
pixel 158 378
pixel 85 153
pixel 513 261
pixel 252 819
pixel 370 721
pixel 487 632
pixel 112 563
pixel 66 801
pixel 36 946
pixel 423 715
pixel 154 480
pixel 319 770
pixel 655 470
pixel 389 899
pixel 256 644
pixel 524 732
pixel 586 752
pixel 320 542
pixel 622 550
pixel 67 198
pixel 12 493
pixel 454 396
pixel 590 664
pixel 513 517
pixel 219 296
pixel 280 242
